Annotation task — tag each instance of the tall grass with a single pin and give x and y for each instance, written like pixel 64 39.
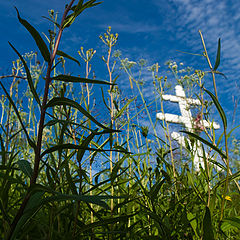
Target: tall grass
pixel 145 185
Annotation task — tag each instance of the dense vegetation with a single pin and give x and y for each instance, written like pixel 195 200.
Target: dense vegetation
pixel 66 175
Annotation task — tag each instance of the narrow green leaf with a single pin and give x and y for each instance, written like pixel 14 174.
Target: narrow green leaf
pixel 78 9
pixel 220 73
pixel 31 143
pixel 105 131
pixel 219 165
pixel 207 226
pixel 39 41
pixel 122 110
pixel 68 78
pixel 29 77
pixel 50 179
pixel 60 53
pixel 25 167
pixel 68 175
pixel 115 105
pixel 218 55
pixel 113 83
pixel 229 134
pixel 62 101
pixel 84 146
pixel 205 142
pixel 68 21
pixel 219 108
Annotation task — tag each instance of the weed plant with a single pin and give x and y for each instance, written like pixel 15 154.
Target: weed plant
pixel 66 175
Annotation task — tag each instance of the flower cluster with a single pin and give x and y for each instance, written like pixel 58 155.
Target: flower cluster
pixel 198 125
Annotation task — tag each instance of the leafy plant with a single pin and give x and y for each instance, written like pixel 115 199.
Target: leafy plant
pixel 66 175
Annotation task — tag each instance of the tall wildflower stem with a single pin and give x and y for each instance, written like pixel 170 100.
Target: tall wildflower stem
pixel 110 40
pixel 225 130
pixel 41 124
pixel 111 114
pixel 45 98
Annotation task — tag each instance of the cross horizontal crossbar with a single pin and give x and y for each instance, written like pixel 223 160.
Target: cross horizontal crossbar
pixel 180 119
pixel 179 99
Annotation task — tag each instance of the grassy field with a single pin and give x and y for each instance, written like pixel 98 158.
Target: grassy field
pixel 64 174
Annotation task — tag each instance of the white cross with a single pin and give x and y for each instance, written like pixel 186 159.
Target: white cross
pixel 187 120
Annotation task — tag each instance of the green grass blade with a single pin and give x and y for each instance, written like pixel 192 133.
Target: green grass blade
pixel 205 142
pixel 25 167
pixel 104 101
pixel 29 77
pixel 219 108
pixel 39 41
pixel 218 55
pixel 60 53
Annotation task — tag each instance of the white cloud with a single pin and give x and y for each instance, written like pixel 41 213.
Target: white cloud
pixel 215 19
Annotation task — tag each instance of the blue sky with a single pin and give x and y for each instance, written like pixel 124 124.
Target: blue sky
pixel 150 29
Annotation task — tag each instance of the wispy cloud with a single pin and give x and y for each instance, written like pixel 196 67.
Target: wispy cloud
pixel 216 20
